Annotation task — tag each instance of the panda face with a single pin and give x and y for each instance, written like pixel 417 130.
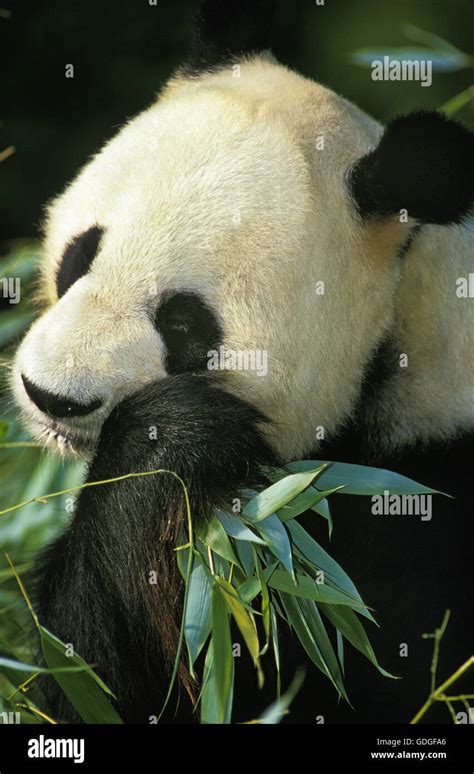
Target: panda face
pixel 215 217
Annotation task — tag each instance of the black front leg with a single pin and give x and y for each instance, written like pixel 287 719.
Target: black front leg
pixel 110 585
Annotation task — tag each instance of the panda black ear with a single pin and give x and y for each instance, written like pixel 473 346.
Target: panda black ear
pixel 227 29
pixel 424 163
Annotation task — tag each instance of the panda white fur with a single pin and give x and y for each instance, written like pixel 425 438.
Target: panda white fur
pixel 211 220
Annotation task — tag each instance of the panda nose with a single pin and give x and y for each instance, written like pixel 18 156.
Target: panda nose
pixel 55 405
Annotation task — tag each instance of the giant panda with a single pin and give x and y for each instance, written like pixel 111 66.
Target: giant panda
pixel 211 220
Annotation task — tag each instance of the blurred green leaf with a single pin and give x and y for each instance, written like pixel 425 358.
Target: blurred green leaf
pixel 13 664
pixel 12 324
pixel 432 40
pixel 276 711
pixel 441 61
pixel 444 56
pixel 457 103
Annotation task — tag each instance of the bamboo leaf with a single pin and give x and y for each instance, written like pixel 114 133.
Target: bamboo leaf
pixel 246 554
pixel 21 666
pixel 304 501
pixel 213 534
pixel 245 623
pixel 265 606
pixel 222 663
pixel 318 630
pixel 333 572
pixel 322 508
pixel 307 588
pixel 209 704
pixel 229 589
pixel 276 645
pixel 345 620
pixel 305 635
pixel 197 624
pixel 340 649
pixel 279 494
pixel 276 538
pixel 85 690
pixel 236 528
pixel 249 589
pixel 279 708
pixel 362 480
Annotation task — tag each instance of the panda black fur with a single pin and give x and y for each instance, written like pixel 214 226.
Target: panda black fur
pixel 149 368
pixel 98 591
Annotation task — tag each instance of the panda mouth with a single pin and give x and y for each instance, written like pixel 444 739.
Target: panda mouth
pixel 65 440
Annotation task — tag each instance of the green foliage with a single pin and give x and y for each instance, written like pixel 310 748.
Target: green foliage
pixel 25 472
pixel 286 578
pixel 444 56
pixel 265 571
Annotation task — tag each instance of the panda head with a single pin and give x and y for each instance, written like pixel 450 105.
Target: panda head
pixel 248 208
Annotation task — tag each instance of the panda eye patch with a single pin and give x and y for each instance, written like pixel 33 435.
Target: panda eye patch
pixel 77 258
pixel 189 329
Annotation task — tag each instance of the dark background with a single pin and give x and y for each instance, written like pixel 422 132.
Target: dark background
pixel 123 51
